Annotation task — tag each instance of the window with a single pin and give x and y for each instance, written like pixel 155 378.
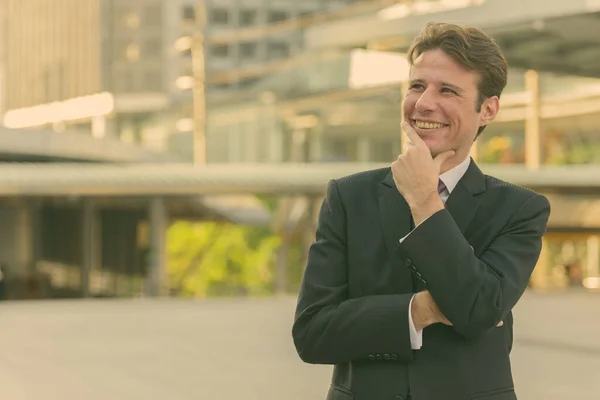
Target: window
pixel 340 149
pixel 248 50
pixel 220 51
pixel 152 48
pixel 248 17
pixel 152 15
pixel 277 15
pixel 278 50
pixel 219 16
pixel 188 13
pixel 132 20
pixel 381 150
pixel 152 81
pixel 132 52
pixel 123 81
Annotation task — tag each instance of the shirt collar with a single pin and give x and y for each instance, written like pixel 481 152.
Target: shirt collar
pixel 452 176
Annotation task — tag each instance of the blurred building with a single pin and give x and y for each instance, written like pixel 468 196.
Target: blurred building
pixel 341 99
pixel 287 81
pixel 123 68
pixel 96 81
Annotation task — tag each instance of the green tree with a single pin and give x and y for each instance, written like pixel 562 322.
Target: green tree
pixel 210 259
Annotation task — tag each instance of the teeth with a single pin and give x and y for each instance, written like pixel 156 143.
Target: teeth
pixel 427 125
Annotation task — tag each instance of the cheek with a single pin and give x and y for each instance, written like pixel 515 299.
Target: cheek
pixel 409 103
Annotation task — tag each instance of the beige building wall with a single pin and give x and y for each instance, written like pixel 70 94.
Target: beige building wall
pixel 52 50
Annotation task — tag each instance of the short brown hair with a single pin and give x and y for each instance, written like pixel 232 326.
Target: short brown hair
pixel 471 48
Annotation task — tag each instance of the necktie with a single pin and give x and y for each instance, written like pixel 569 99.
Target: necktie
pixel 441 186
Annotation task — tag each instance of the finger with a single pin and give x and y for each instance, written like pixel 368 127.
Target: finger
pixel 414 138
pixel 500 324
pixel 440 159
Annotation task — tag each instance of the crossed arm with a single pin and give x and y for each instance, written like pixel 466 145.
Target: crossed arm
pixel 474 294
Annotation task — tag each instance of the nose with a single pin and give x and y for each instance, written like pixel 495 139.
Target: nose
pixel 426 102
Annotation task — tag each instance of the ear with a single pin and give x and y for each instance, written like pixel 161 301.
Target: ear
pixel 489 110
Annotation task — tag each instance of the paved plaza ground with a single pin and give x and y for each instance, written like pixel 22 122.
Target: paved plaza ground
pixel 242 349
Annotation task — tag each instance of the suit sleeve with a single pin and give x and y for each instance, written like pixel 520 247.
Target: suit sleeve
pixel 477 293
pixel 330 327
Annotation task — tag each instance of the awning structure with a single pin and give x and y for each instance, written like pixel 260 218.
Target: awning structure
pixel 114 180
pixel 72 146
pixel 552 36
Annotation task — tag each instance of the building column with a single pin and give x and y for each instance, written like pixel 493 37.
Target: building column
pixel 364 149
pixel 234 138
pixel 24 237
pixel 315 143
pixel 158 254
pixel 89 240
pixel 281 225
pixel 532 123
pixel 541 273
pixel 299 143
pixel 591 278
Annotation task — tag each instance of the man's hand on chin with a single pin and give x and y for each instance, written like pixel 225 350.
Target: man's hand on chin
pixel 416 174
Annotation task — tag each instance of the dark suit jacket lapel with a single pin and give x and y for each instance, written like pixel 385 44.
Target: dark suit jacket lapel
pixel 394 213
pixel 462 203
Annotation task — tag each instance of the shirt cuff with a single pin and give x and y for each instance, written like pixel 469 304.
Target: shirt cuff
pixel 416 337
pixel 402 240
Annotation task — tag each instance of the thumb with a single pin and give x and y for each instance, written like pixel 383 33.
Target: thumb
pixel 441 158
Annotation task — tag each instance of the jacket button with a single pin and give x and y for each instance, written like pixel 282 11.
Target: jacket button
pixel 378 356
pixel 386 357
pixel 408 262
pixel 399 398
pixel 394 357
pixel 371 357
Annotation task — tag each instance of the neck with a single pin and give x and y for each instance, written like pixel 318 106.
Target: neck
pixel 452 162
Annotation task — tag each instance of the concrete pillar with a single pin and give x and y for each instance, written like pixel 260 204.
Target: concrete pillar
pixel 275 144
pixel 158 255
pixel 592 267
pixel 91 244
pixel 35 211
pixel 315 143
pixel 364 149
pixel 235 143
pixel 310 226
pixel 24 236
pixel 540 278
pixel 251 144
pixel 281 226
pixel 281 266
pixel 299 143
pixel 532 123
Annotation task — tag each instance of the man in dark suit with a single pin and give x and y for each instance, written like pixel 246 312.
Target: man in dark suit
pixel 409 286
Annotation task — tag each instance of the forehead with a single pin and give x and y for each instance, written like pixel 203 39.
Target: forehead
pixel 435 66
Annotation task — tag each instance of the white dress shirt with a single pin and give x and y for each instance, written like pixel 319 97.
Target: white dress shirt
pixel 450 179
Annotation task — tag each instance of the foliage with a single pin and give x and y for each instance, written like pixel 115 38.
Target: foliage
pixel 209 259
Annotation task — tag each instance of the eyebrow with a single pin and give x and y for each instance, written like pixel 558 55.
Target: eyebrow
pixel 445 84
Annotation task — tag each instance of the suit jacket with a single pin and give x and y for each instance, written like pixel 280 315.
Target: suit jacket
pixel 475 257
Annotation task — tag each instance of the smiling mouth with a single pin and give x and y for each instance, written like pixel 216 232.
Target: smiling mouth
pixel 428 125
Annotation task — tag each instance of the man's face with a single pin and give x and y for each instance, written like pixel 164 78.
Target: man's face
pixel 441 104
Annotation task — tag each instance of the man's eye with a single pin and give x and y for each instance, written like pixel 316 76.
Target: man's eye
pixel 416 86
pixel 448 90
